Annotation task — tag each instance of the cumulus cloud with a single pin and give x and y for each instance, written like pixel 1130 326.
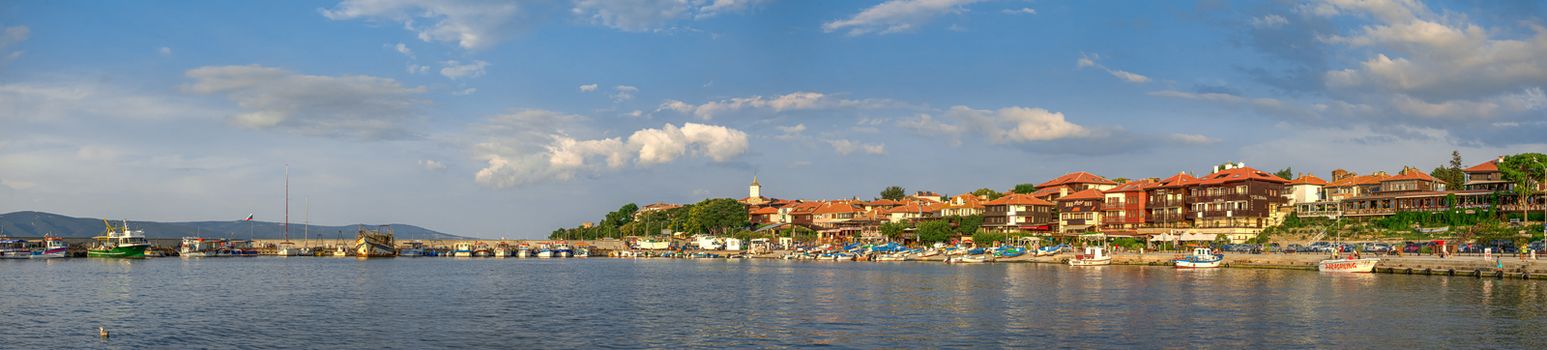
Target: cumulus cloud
pixel 622 93
pixel 654 15
pixel 846 147
pixel 1090 61
pixel 532 146
pixel 362 107
pixel 457 70
pixel 403 49
pixel 1004 125
pixel 895 16
pixel 791 132
pixel 804 100
pixel 588 88
pixel 469 24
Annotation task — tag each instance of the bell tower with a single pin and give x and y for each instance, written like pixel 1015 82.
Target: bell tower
pixel 755 190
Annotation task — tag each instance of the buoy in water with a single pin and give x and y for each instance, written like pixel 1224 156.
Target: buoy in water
pixel 102 332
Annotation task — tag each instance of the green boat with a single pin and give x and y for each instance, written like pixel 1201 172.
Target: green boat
pixel 119 242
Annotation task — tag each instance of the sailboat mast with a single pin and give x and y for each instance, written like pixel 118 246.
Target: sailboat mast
pixel 287 203
pixel 307 231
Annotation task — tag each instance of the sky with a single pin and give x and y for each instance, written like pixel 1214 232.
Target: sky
pixel 509 119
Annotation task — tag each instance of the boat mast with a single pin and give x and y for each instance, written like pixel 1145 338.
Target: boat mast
pixel 287 203
pixel 307 228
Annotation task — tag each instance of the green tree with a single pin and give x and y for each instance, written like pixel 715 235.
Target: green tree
pixel 623 215
pixel 716 216
pixel 893 193
pixel 893 230
pixel 1121 180
pixel 966 225
pixel 988 193
pixel 934 231
pixel 1024 188
pixel 1526 170
pixel 1287 174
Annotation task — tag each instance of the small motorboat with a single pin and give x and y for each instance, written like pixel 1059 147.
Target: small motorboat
pixel 974 258
pixel 1093 256
pixel 1200 258
pixel 1351 264
pixel 1051 250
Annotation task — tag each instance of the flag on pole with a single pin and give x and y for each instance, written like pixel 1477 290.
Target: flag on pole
pixel 249 218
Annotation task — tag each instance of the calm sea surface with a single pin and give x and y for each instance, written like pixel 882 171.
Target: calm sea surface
pixel 273 302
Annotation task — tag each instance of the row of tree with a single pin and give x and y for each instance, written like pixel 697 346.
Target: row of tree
pixel 712 216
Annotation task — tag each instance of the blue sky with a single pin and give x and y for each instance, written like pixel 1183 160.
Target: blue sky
pixel 497 119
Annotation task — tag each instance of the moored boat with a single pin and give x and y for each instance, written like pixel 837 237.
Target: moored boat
pixel 374 243
pixel 412 249
pixel 1093 256
pixel 1347 265
pixel 1200 258
pixel 51 247
pixel 119 242
pixel 462 250
pixel 195 247
pixel 1050 250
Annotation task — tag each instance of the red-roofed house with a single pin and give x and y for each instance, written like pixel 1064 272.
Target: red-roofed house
pixel 1239 199
pixel 1080 211
pixel 1167 205
pixel 965 204
pixel 1123 209
pixel 1487 177
pixel 1019 212
pixel 1071 183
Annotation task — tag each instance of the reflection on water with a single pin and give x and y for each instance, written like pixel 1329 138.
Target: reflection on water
pixel 417 303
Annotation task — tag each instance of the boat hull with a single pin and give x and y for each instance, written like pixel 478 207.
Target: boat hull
pixel 1091 262
pixel 1186 264
pixel 124 252
pixel 1366 265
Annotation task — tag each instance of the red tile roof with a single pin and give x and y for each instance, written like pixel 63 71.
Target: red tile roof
pixel 1358 180
pixel 1089 193
pixel 1044 192
pixel 1410 174
pixel 1134 186
pixel 764 210
pixel 1308 179
pixel 1485 167
pixel 836 207
pixel 1018 199
pixel 1240 174
pixel 1178 180
pixel 1078 177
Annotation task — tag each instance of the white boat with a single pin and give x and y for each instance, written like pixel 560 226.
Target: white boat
pixel 524 252
pixel 1093 256
pixel 51 247
pixel 502 251
pixel 975 258
pixel 1347 265
pixel 340 251
pixel 463 250
pixel 194 247
pixel 287 249
pixel 893 257
pixel 544 253
pixel 1201 258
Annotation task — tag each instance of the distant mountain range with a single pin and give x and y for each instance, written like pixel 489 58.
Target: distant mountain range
pixel 35 224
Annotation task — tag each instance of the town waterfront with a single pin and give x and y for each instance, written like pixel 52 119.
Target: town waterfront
pixel 666 303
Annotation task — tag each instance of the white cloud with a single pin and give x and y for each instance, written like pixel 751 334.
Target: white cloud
pixel 1019 11
pixel 432 165
pixel 363 107
pixel 791 132
pixel 895 16
pixel 465 92
pixel 10 37
pixel 85 101
pixel 846 147
pixel 654 15
pixel 1192 139
pixel 164 51
pixel 1090 60
pixel 1269 21
pixel 588 88
pixel 804 100
pixel 1004 125
pixel 623 93
pixel 403 49
pixel 469 24
pixel 516 153
pixel 1217 97
pixel 457 70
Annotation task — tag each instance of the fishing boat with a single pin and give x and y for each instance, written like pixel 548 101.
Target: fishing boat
pixel 1350 264
pixel 51 247
pixel 524 251
pixel 582 252
pixel 14 249
pixel 975 258
pixel 195 247
pixel 340 251
pixel 243 248
pixel 1051 250
pixel 462 250
pixel 374 243
pixel 412 249
pixel 287 249
pixel 544 252
pixel 563 251
pixel 901 256
pixel 483 251
pixel 1010 252
pixel 119 242
pixel 1093 256
pixel 1200 258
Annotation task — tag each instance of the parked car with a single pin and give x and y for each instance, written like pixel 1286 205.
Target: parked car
pixel 1294 248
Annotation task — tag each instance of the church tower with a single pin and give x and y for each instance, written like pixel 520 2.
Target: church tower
pixel 756 190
